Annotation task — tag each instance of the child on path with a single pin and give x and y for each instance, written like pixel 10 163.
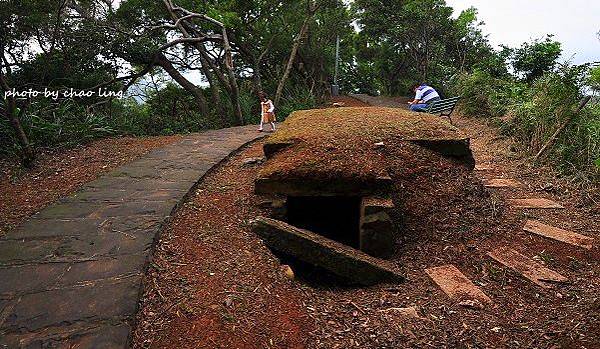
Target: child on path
pixel 267 112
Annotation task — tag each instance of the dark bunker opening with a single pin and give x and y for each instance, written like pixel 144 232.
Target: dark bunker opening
pixel 335 217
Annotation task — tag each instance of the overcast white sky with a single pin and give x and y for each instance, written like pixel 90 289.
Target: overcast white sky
pixel 574 23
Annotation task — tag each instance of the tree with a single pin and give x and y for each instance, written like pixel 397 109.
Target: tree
pixel 532 60
pixel 18 29
pixel 411 41
pixel 594 78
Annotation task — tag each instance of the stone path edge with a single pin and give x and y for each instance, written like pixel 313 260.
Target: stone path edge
pixel 190 192
pixel 94 333
pixel 176 207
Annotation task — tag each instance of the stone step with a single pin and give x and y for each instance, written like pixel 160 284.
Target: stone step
pixel 530 269
pixel 502 183
pixel 535 203
pixel 331 255
pixel 456 285
pixel 566 236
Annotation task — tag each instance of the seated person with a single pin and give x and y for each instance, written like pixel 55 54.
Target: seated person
pixel 424 95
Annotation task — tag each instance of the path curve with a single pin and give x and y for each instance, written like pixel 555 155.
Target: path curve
pixel 72 274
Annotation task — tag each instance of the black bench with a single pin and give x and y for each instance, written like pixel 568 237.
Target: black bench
pixel 444 107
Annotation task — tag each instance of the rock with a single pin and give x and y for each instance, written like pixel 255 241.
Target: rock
pixel 409 312
pixel 252 161
pixel 342 260
pixel 288 271
pixel 377 231
pixel 471 303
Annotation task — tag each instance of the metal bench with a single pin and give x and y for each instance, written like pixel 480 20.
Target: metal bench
pixel 444 107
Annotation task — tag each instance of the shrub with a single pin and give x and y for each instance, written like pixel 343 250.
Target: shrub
pixel 486 96
pixel 297 98
pixel 551 100
pixel 174 110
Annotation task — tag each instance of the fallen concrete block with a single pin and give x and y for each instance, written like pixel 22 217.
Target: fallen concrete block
pixel 347 262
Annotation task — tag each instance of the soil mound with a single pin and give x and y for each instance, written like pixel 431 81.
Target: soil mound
pixel 344 149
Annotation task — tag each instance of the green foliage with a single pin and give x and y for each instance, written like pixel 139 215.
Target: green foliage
pixel 297 99
pixel 485 95
pixel 549 100
pixel 173 110
pixel 532 60
pixel 403 42
pixel 68 124
pixel 594 78
pixel 537 110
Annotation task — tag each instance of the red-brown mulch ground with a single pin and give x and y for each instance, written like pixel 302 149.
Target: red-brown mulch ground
pixel 213 284
pixel 60 172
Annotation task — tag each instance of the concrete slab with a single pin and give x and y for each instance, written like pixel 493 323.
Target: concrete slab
pixel 315 249
pixel 58 227
pixel 96 336
pixel 566 236
pixel 106 301
pixel 530 269
pixel 456 285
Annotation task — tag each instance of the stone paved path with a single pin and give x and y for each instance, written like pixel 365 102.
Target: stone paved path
pixel 72 274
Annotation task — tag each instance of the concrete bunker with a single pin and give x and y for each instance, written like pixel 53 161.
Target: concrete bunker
pixel 336 186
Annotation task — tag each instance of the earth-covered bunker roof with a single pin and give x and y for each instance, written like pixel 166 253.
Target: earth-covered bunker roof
pixel 342 151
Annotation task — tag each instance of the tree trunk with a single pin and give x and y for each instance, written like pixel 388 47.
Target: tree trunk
pixel 183 82
pixel 227 80
pixel 214 88
pixel 561 127
pixel 27 151
pixel 292 58
pixel 14 117
pixel 256 79
pixel 234 92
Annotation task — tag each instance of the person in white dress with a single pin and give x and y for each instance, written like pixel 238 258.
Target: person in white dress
pixel 267 112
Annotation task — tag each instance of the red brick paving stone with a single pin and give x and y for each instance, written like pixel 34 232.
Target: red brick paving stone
pixel 502 183
pixel 535 203
pixel 455 284
pixel 530 269
pixel 559 234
